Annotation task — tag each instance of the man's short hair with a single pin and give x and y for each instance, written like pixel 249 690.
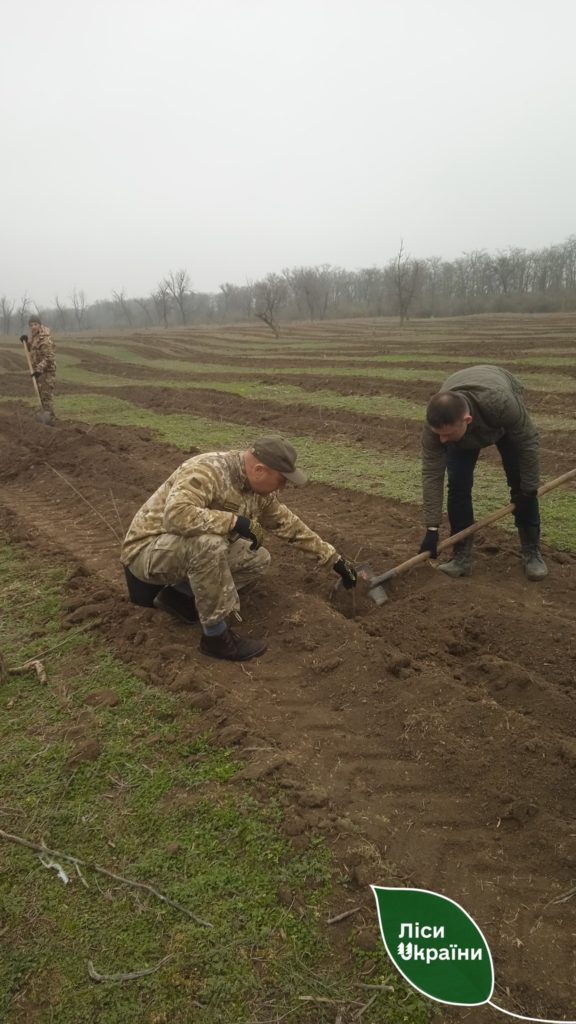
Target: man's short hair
pixel 445 408
pixel 34 320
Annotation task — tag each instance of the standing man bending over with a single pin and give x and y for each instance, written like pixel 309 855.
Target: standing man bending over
pixel 474 408
pixel 199 539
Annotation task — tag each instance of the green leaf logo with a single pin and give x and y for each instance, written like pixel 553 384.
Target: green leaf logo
pixel 435 945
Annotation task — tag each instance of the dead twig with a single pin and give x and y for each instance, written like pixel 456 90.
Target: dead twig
pixel 85 500
pixel 36 665
pixel 343 916
pixel 69 636
pixel 335 1002
pixel 117 512
pixel 362 1010
pixel 129 975
pixel 103 871
pixel 561 899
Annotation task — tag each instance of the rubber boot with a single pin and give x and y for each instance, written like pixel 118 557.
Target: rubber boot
pixel 232 647
pixel 141 593
pixel 178 601
pixel 535 567
pixel 461 563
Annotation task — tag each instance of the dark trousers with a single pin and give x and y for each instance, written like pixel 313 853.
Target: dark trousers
pixel 460 464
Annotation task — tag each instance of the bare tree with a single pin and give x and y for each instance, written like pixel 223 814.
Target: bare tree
pixel 79 304
pixel 143 305
pixel 406 272
pixel 122 305
pixel 23 310
pixel 62 313
pixel 311 287
pixel 162 299
pixel 270 295
pixel 178 287
pixel 6 311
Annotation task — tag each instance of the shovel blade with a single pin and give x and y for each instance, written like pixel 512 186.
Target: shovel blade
pixel 378 594
pixel 44 417
pixel 376 590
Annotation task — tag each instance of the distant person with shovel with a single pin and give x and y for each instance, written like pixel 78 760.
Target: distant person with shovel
pixel 475 408
pixel 198 540
pixel 42 360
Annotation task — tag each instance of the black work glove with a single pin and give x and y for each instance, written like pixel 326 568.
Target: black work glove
pixel 348 573
pixel 24 338
pixel 430 543
pixel 36 375
pixel 251 530
pixel 523 503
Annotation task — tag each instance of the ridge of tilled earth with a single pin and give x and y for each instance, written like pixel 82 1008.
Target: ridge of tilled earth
pixel 431 741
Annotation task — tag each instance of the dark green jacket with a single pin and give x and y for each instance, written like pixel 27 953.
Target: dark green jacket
pixel 496 406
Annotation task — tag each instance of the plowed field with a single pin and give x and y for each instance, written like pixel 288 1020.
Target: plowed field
pixel 441 727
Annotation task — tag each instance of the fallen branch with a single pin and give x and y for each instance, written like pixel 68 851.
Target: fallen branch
pixel 36 665
pixel 343 916
pixel 103 871
pixel 129 976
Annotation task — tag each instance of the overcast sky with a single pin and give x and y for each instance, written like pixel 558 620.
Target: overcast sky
pixel 237 137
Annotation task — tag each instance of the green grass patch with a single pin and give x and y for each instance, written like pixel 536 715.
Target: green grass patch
pixel 158 805
pixel 384 405
pixel 355 467
pixel 124 354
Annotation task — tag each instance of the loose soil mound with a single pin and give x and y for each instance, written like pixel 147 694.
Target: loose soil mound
pixel 431 740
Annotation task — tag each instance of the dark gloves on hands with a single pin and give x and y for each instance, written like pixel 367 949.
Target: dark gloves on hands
pixel 348 573
pixel 24 337
pixel 523 503
pixel 430 543
pixel 251 530
pixel 36 375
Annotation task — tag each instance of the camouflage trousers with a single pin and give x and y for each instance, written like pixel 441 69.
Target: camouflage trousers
pixel 215 569
pixel 46 384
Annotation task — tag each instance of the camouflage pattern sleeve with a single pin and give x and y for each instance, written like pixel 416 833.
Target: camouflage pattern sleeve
pixel 187 510
pixel 433 471
pixel 277 518
pixel 44 360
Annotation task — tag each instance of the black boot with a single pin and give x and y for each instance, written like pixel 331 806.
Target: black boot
pixel 177 603
pixel 231 646
pixel 535 567
pixel 461 562
pixel 141 593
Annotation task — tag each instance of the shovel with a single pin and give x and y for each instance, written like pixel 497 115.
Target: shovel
pixel 42 415
pixel 376 584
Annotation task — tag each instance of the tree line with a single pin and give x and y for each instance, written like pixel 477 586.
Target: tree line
pixel 510 280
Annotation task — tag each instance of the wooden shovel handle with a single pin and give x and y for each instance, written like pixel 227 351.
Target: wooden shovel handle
pixel 487 521
pixel 30 367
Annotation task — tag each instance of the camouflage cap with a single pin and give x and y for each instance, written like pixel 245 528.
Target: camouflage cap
pixel 277 453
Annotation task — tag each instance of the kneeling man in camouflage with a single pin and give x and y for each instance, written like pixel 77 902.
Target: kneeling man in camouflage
pixel 198 540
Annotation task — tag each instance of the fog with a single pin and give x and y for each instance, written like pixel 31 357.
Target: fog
pixel 238 137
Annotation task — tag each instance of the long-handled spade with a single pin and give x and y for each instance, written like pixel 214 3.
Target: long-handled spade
pixel 42 415
pixel 377 584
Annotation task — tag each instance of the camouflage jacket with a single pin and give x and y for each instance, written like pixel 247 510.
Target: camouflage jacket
pixel 42 352
pixel 204 495
pixel 497 408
